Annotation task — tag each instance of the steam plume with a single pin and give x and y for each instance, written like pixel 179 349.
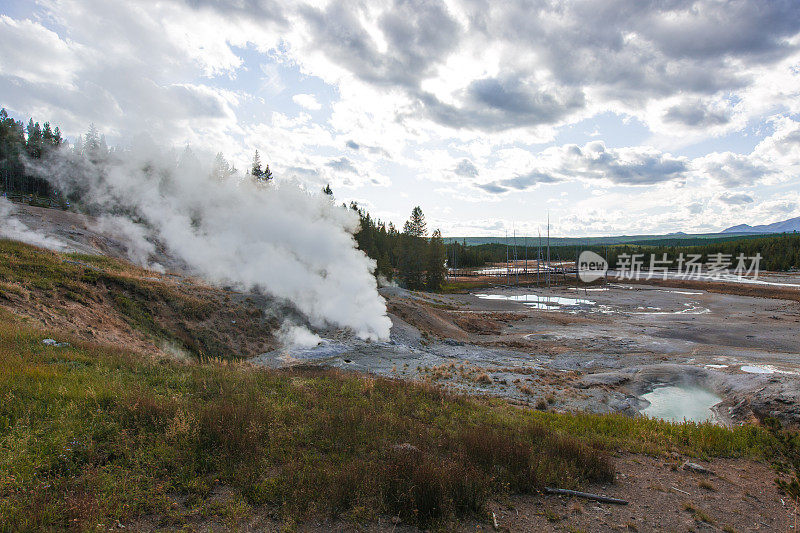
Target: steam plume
pixel 277 237
pixel 13 228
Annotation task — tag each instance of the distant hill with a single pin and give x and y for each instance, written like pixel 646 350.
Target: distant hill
pixel 785 226
pixel 672 239
pixel 677 238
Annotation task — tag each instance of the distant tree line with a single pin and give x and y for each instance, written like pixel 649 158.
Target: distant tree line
pixel 462 255
pixel 416 260
pixel 778 252
pixel 20 143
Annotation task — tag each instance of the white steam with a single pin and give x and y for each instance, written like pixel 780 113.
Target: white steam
pixel 135 236
pixel 277 237
pixel 13 228
pixel 293 335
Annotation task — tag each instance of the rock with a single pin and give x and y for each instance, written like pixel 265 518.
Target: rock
pixel 405 447
pixel 55 343
pixel 694 467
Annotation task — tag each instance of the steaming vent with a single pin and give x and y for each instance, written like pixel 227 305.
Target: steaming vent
pixel 273 238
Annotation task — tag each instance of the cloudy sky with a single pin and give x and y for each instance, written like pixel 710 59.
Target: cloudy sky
pixel 618 117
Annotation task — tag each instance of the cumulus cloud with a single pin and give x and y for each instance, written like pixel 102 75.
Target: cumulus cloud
pixel 523 64
pixel 776 157
pixel 519 183
pixel 497 104
pixel 414 35
pixel 781 149
pixel 466 168
pixel 593 162
pixel 55 60
pixel 695 208
pixel 111 64
pixel 342 164
pixel 730 169
pixel 736 199
pixel 696 114
pixel 407 76
pixel 308 101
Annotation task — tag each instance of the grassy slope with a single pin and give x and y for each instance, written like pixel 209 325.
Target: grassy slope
pixel 91 434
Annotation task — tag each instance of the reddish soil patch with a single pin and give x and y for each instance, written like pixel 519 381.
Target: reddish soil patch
pixel 484 323
pixel 426 319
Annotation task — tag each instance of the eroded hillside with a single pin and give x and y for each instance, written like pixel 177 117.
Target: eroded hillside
pixel 109 300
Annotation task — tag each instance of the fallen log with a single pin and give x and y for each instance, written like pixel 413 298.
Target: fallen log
pixel 587 495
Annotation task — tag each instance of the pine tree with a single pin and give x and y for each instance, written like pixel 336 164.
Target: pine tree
pixel 437 254
pixel 47 134
pixel 91 142
pixel 221 169
pixel 413 251
pixel 416 226
pixel 35 140
pixel 77 148
pixel 103 148
pixel 384 266
pixel 94 145
pixel 255 169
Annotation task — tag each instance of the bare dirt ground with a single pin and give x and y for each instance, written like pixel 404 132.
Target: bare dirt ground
pixel 736 496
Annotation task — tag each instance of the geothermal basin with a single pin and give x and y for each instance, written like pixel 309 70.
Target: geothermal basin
pixel 671 352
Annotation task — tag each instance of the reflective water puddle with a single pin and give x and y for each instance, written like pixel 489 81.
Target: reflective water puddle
pixel 679 292
pixel 689 309
pixel 764 369
pixel 677 404
pixel 541 302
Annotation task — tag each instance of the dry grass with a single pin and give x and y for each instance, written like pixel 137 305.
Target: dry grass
pixel 698 514
pixel 705 485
